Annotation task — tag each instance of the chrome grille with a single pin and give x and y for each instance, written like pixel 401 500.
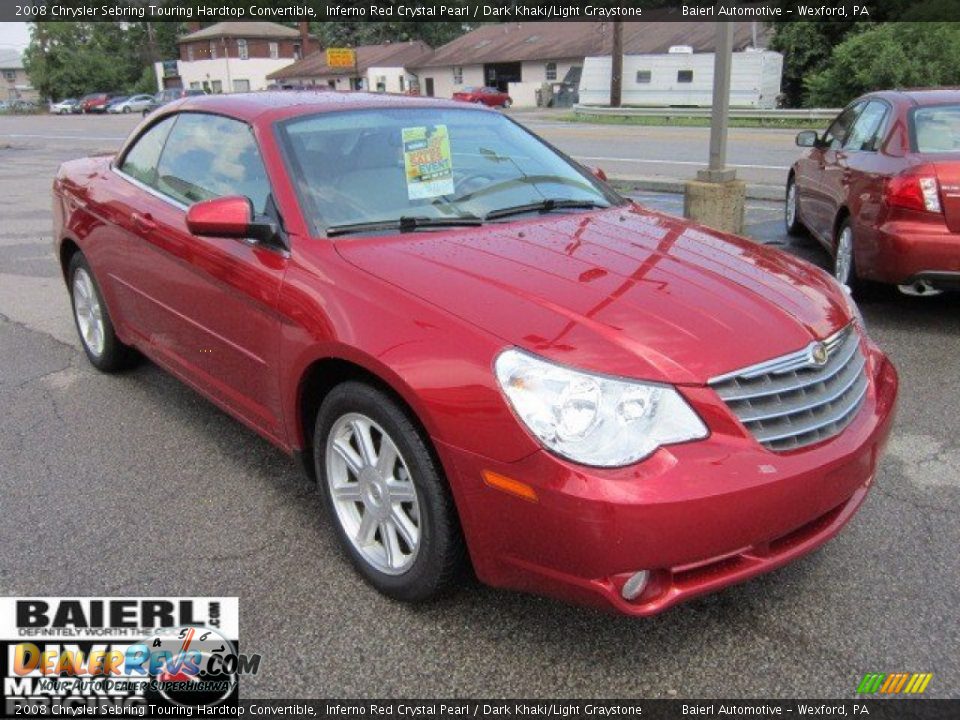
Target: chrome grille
pixel 794 400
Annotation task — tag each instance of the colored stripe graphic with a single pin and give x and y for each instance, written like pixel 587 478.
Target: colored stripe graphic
pixel 894 683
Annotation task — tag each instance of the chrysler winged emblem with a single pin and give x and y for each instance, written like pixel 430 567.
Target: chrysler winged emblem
pixel 818 354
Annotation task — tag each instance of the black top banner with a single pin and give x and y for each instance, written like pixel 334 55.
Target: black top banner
pixel 474 10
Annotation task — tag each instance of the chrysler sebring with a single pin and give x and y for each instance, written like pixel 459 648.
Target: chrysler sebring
pixel 481 352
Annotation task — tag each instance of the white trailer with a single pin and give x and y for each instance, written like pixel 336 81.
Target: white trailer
pixel 684 79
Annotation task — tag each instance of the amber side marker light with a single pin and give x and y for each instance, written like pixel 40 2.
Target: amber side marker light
pixel 509 485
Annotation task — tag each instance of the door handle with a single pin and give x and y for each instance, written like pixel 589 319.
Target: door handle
pixel 143 222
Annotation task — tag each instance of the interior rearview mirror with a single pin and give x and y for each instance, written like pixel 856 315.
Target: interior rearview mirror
pixel 807 138
pixel 228 217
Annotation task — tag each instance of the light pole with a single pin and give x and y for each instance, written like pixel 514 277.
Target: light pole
pixel 716 198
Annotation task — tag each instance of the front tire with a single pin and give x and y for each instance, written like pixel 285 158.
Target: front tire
pixel 97 336
pixel 126 109
pixel 390 505
pixel 791 214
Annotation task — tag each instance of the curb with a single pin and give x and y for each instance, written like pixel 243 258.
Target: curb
pixel 672 185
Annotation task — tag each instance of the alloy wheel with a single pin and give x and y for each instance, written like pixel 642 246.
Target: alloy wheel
pixel 373 493
pixel 844 259
pixel 89 314
pixel 790 208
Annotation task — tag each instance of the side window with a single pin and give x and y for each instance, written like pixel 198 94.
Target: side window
pixel 208 156
pixel 142 159
pixel 839 128
pixel 867 127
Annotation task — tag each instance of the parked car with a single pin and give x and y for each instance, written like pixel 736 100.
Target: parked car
pixel 64 107
pixel 115 101
pixel 169 95
pixel 493 351
pixel 484 96
pixel 880 189
pixel 134 103
pixel 96 102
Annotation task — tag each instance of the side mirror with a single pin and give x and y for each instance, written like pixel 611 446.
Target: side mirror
pixel 228 217
pixel 599 174
pixel 807 138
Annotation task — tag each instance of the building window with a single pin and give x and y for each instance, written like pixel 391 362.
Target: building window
pixel 458 76
pixel 296 51
pixel 190 55
pixel 551 71
pixel 217 86
pixel 213 49
pixel 10 75
pixel 241 86
pixel 684 76
pixel 644 76
pixel 242 50
pixel 196 85
pixel 274 51
pixel 403 84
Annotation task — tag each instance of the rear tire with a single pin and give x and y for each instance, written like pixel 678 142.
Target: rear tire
pixel 97 336
pixel 388 501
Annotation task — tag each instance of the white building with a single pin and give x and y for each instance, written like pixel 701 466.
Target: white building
pixel 233 56
pixel 684 78
pixel 379 68
pixel 526 59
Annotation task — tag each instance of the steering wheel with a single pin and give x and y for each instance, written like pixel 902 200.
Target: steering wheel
pixel 466 182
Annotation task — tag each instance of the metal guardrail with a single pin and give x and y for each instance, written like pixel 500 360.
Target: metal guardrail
pixel 704 112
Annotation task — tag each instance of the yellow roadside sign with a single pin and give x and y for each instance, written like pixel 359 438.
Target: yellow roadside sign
pixel 341 57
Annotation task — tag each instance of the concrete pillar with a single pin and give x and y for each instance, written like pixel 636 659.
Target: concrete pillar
pixel 716 204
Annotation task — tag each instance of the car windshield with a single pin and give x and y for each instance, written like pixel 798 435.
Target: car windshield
pixel 936 129
pixel 434 165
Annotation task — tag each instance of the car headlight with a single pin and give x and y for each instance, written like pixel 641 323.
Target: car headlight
pixel 593 419
pixel 848 300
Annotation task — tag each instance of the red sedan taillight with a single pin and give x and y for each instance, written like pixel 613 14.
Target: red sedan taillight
pixel 914 189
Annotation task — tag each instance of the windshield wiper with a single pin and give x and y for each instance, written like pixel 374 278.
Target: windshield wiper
pixel 543 206
pixel 404 224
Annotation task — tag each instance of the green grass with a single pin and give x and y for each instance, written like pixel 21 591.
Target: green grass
pixel 680 121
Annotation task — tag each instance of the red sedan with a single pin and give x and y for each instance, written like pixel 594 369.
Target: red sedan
pixel 880 189
pixel 478 348
pixel 489 96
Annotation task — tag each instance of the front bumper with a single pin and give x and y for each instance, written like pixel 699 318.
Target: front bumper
pixel 698 516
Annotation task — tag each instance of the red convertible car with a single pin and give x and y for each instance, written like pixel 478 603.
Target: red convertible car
pixel 880 189
pixel 489 96
pixel 476 347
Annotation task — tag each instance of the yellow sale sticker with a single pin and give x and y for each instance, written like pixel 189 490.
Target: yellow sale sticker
pixel 428 162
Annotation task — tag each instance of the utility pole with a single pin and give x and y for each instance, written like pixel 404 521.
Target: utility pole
pixel 720 116
pixel 616 65
pixel 716 197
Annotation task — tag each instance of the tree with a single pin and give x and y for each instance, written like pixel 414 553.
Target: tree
pixel 351 34
pixel 70 59
pixel 888 56
pixel 806 48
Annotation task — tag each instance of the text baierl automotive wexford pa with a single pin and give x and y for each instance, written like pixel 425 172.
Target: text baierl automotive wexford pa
pixel 799 10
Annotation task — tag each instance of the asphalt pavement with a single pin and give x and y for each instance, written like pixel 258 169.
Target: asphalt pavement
pixel 135 485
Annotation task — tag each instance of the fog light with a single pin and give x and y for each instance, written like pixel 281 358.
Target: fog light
pixel 635 585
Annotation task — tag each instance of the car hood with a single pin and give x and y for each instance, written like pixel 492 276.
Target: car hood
pixel 623 291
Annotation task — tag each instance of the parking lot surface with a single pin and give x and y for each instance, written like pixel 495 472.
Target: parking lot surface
pixel 134 485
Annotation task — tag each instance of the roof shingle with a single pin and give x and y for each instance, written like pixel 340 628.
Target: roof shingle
pixel 242 29
pixel 517 42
